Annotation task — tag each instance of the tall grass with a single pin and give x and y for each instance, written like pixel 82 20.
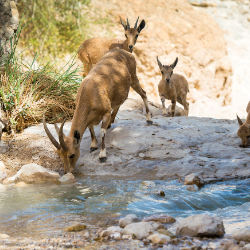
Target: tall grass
pixel 26 91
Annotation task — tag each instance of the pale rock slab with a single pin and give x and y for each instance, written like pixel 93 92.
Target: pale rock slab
pixel 192 179
pixel 3 175
pixel 128 219
pixel 140 229
pixel 201 225
pixel 67 179
pixel 242 234
pixel 159 238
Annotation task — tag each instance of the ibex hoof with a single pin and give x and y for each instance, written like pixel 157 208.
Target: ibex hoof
pixel 243 146
pixel 165 114
pixel 109 126
pixel 149 122
pixel 93 149
pixel 103 159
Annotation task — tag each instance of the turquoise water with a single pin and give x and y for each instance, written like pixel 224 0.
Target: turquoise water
pixel 45 208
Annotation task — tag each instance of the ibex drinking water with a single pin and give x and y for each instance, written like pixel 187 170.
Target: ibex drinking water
pixel 173 87
pixel 244 130
pixel 104 89
pixel 92 50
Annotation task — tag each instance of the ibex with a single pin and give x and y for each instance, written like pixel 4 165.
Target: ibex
pixel 244 130
pixel 104 90
pixel 173 87
pixel 92 50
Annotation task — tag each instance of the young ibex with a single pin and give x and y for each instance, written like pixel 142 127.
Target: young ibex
pixel 92 50
pixel 244 130
pixel 173 87
pixel 104 89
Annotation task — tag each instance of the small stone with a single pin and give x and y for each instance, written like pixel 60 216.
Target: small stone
pixel 160 218
pixel 246 247
pixel 127 237
pixel 4 236
pixel 241 234
pixel 86 235
pixel 159 238
pixel 166 232
pixel 67 178
pixel 3 175
pixel 111 230
pixel 161 193
pixel 147 184
pixel 21 184
pixel 2 166
pixel 115 236
pixel 242 243
pixel 75 228
pixel 141 230
pixel 194 179
pixel 128 219
pixel 4 148
pixel 192 188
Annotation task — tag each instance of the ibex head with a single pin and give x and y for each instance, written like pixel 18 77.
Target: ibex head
pixel 132 34
pixel 68 147
pixel 166 70
pixel 243 132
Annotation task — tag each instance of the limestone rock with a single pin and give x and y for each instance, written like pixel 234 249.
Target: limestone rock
pixel 159 238
pixel 67 179
pixel 33 173
pixel 192 188
pixel 112 230
pixel 246 247
pixel 166 232
pixel 242 234
pixel 140 229
pixel 127 237
pixel 128 219
pixel 3 175
pixel 4 148
pixel 76 227
pixel 194 179
pixel 160 218
pixel 115 236
pixel 2 166
pixel 201 225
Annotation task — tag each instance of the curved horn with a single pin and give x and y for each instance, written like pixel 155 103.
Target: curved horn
pixel 128 24
pixel 159 63
pixel 52 139
pixel 136 23
pixel 61 140
pixel 239 120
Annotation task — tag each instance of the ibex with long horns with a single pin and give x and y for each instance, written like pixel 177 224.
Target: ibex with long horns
pixel 173 87
pixel 103 91
pixel 92 50
pixel 244 130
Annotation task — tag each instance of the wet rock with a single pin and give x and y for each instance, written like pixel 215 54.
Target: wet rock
pixel 228 243
pixel 4 236
pixel 33 173
pixel 166 232
pixel 147 184
pixel 3 176
pixel 157 225
pixel 2 166
pixel 128 219
pixel 67 178
pixel 160 218
pixel 140 229
pixel 112 230
pixel 201 225
pixel 76 227
pixel 161 193
pixel 246 247
pixel 194 179
pixel 192 188
pixel 159 238
pixel 242 234
pixel 4 148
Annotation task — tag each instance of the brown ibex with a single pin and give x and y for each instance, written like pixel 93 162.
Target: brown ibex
pixel 244 130
pixel 92 50
pixel 103 91
pixel 173 87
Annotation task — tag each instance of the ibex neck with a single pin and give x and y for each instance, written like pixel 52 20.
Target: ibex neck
pixel 125 46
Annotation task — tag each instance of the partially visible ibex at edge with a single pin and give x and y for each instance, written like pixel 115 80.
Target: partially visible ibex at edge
pixel 104 89
pixel 244 130
pixel 92 50
pixel 173 87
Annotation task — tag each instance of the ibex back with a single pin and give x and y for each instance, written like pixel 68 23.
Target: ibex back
pixel 92 50
pixel 103 91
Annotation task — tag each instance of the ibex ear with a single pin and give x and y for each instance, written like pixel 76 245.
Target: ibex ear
pixel 239 120
pixel 141 26
pixel 159 63
pixel 175 63
pixel 124 24
pixel 77 137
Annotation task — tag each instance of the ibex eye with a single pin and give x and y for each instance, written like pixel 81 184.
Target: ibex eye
pixel 71 156
pixel 162 72
pixel 136 36
pixel 126 36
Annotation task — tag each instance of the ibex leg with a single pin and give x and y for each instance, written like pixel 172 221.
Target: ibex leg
pixel 173 108
pixel 185 104
pixel 138 89
pixel 93 146
pixel 113 115
pixel 164 111
pixel 105 122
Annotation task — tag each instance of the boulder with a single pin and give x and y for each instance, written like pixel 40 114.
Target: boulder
pixel 201 225
pixel 128 219
pixel 160 218
pixel 2 166
pixel 75 227
pixel 3 175
pixel 242 234
pixel 33 173
pixel 194 179
pixel 67 179
pixel 159 238
pixel 140 229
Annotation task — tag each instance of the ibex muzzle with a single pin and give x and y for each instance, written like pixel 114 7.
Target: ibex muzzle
pixel 244 131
